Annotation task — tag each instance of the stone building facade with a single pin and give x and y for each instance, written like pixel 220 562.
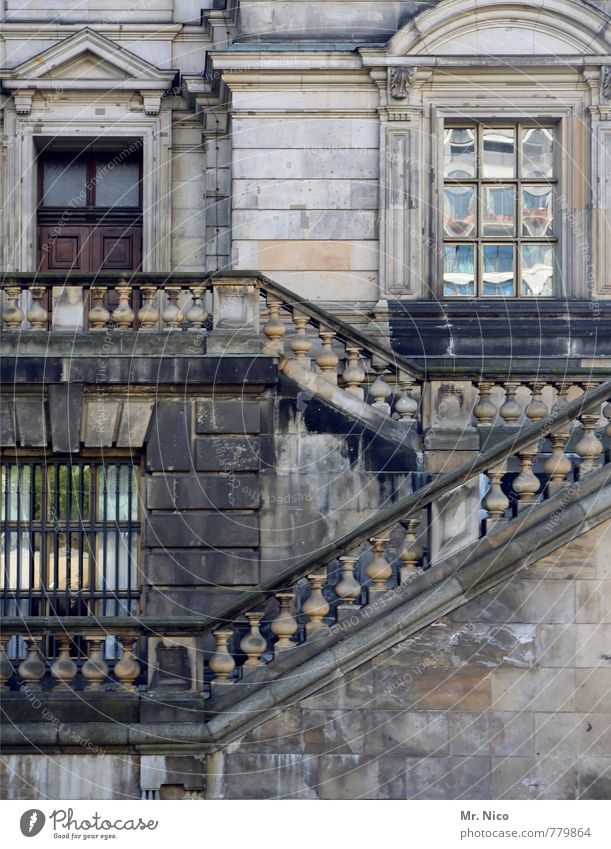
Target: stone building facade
pixel 305 399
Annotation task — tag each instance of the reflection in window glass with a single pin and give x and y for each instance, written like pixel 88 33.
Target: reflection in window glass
pixel 537 152
pixel 459 210
pixel 459 152
pixel 64 183
pixel 499 160
pixel 498 270
pixel 116 183
pixel 459 270
pixel 537 211
pixel 537 271
pixel 499 212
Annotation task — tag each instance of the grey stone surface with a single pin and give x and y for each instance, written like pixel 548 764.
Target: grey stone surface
pixel 214 492
pixel 202 567
pixel 31 422
pixel 65 412
pixel 227 454
pixel 203 529
pixel 225 417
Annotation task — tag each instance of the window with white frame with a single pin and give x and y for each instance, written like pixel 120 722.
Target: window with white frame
pixel 499 210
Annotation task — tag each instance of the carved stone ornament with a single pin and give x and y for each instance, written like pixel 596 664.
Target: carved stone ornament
pixel 605 84
pixel 400 81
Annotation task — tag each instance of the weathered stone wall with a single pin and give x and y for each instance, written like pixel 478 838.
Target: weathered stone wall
pixel 505 698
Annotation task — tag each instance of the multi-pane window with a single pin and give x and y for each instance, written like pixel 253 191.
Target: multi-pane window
pixel 69 538
pixel 499 211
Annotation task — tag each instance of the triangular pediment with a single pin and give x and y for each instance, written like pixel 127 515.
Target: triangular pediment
pixel 89 58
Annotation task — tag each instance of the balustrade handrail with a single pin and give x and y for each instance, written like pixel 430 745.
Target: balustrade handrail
pixel 408 505
pixel 341 328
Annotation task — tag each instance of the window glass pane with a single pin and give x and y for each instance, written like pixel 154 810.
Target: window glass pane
pixel 459 270
pixel 537 271
pixel 537 150
pixel 537 211
pixel 116 183
pixel 499 160
pixel 497 270
pixel 64 182
pixel 459 211
pixel 499 211
pixel 459 153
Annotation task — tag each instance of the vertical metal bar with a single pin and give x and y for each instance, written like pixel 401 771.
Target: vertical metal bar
pixel 32 535
pixel 104 525
pixel 68 527
pixel 130 472
pixel 117 536
pixel 44 547
pixel 6 482
pixel 17 592
pixel 81 534
pixel 93 540
pixel 56 525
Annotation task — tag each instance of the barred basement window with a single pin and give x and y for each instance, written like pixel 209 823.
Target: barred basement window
pixel 70 534
pixel 499 219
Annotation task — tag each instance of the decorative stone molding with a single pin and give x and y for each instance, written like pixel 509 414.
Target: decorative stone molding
pixel 23 101
pixel 400 81
pixel 152 103
pixel 605 83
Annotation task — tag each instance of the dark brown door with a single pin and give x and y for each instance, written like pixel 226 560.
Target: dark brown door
pixel 90 210
pixel 65 248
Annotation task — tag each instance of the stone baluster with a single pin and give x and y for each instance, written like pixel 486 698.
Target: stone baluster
pixel 123 315
pixel 316 606
pixel 222 663
pixel 354 373
pixel 98 315
pixel 537 409
pixel 274 328
pixel 557 465
pixel 527 484
pixel 95 669
pixel 37 313
pixel 127 668
pixel 510 410
pixel 411 553
pixel 196 314
pixel 379 389
pixel 12 314
pixel 32 668
pixel 254 643
pixel 284 626
pixel 589 446
pixel 406 406
pixel 347 589
pixel 495 502
pixel 301 344
pixel 379 569
pixel 172 314
pixel 148 314
pixel 6 667
pixel 327 359
pixel 63 668
pixel 485 410
pixel 607 415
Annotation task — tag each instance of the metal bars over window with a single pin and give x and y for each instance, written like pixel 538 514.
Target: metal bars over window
pixel 70 538
pixel 499 211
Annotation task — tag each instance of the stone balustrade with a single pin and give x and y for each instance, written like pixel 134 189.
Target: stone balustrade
pixel 69 658
pixel 143 303
pixel 532 464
